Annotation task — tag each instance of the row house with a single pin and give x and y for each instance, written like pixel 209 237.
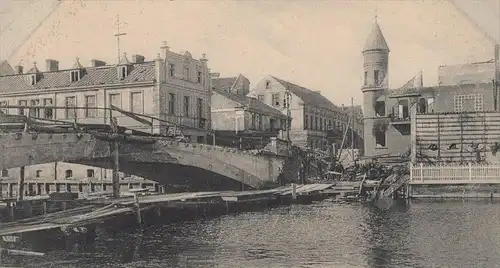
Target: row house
pixel 173 87
pixel 316 121
pixel 238 119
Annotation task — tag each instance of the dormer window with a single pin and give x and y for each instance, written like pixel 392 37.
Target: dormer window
pixel 32 79
pixel 75 76
pixel 268 84
pixel 123 72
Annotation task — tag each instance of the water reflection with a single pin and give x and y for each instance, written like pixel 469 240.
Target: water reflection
pixel 437 234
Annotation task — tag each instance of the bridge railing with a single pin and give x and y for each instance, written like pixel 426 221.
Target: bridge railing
pixel 467 173
pixel 74 115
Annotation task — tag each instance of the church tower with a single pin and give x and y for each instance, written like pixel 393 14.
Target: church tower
pixel 375 87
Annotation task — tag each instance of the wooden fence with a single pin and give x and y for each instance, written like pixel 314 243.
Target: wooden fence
pixel 456 137
pixel 454 174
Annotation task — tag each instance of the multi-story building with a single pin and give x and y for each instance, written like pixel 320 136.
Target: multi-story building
pixel 241 120
pixel 174 87
pixel 312 114
pixel 387 112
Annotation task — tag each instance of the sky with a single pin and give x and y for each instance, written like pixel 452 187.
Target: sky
pixel 316 44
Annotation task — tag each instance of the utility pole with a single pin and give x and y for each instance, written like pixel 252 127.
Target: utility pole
pixel 116 158
pixel 288 99
pixel 117 35
pixel 352 128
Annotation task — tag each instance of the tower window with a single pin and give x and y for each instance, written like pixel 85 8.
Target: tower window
pixel 375 77
pixel 380 108
pixel 366 78
pixel 380 138
pixel 69 173
pixel 123 72
pixel 90 173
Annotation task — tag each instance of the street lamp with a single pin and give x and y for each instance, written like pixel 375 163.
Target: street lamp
pixel 288 99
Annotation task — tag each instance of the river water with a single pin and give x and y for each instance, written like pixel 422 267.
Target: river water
pixel 421 234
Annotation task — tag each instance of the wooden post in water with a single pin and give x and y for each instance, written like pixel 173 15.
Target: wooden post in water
pixel 116 157
pixel 138 208
pixel 294 191
pixel 20 185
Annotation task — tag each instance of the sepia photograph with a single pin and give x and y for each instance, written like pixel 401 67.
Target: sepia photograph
pixel 249 133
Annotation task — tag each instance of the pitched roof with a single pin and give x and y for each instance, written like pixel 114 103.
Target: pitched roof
pixel 225 83
pixel 376 40
pixel 308 96
pixel 250 103
pixel 106 75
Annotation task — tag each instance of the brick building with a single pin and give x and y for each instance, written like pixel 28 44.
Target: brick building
pixel 240 119
pixel 316 121
pixel 387 112
pixel 174 87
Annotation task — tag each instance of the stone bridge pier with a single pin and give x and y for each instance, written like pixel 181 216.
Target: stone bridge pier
pixel 194 166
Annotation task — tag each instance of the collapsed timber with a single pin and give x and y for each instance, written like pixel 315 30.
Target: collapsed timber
pixel 79 223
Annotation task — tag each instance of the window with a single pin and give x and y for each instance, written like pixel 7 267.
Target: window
pixel 375 77
pixel 69 173
pixel 115 100
pixel 311 122
pixel 272 123
pixel 430 104
pixel 34 112
pixel 171 69
pixel 403 109
pixel 90 105
pixel 23 103
pixel 469 102
pixel 136 102
pixel 171 103
pixel 276 99
pixel 186 106
pixel 122 72
pixel 198 77
pixel 260 118
pixel 70 102
pixel 286 101
pixel 5 172
pixel 329 124
pixel 320 123
pixel 268 84
pixel 38 173
pixel 199 108
pixel 33 79
pixel 316 125
pixel 306 121
pixel 422 106
pixel 186 73
pixel 90 173
pixel 380 108
pixel 366 78
pixel 4 110
pixel 260 98
pixel 48 112
pixel 75 76
pixel 380 138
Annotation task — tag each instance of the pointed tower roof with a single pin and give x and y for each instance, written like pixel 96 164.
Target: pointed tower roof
pixel 376 40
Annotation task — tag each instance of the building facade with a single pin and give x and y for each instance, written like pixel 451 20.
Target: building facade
pixel 387 112
pixel 312 114
pixel 174 87
pixel 239 120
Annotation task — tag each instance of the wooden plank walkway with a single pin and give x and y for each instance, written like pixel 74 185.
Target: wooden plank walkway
pixel 103 209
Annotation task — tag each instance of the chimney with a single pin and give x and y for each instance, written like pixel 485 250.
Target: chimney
pixel 214 75
pixel 51 65
pixel 97 63
pixel 18 69
pixel 137 58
